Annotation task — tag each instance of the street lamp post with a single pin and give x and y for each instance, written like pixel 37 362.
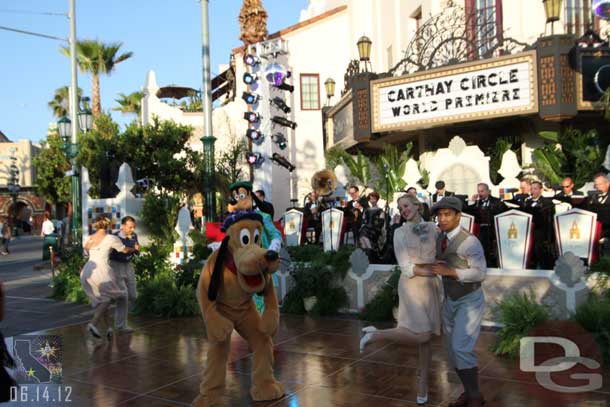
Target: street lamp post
pixel 208 139
pixel 14 187
pixel 65 127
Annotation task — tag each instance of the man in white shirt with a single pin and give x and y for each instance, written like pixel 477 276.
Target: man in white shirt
pixel 47 226
pixel 461 263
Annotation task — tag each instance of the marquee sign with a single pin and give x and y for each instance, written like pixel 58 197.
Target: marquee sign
pixel 502 86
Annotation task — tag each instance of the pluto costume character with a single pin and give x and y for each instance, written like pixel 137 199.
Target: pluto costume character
pixel 232 274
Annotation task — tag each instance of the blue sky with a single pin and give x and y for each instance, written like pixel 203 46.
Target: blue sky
pixel 164 35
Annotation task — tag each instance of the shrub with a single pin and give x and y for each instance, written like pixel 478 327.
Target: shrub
pixel 150 263
pixel 380 308
pixel 520 313
pixel 602 265
pixel 594 316
pixel 66 283
pixel 161 296
pixel 319 274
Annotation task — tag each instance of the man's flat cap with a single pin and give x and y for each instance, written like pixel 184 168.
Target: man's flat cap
pixel 448 202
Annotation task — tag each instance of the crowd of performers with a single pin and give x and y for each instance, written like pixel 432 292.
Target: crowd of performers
pixel 373 229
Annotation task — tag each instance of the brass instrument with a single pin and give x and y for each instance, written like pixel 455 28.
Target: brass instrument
pixel 324 182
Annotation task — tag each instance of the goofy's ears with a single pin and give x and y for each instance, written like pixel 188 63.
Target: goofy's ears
pixel 216 280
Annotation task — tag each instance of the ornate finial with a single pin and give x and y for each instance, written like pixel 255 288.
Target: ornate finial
pixel 252 22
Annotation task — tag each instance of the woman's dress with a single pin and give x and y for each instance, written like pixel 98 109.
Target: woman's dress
pixel 97 277
pixel 419 306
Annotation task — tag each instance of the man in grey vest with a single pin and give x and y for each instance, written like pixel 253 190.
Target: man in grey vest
pixel 461 263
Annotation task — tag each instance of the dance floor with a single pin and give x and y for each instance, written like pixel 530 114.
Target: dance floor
pixel 317 360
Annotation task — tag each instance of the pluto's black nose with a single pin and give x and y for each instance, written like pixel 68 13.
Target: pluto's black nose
pixel 271 255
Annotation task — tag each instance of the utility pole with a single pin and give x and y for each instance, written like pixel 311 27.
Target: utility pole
pixel 208 139
pixel 76 199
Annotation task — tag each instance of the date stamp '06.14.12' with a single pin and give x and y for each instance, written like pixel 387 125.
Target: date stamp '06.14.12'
pixel 38 371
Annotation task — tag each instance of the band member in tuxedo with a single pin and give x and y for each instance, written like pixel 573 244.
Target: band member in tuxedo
pixel 354 209
pixel 600 202
pixel 567 192
pixel 313 212
pixel 484 208
pixel 440 192
pixel 543 211
pixel 525 187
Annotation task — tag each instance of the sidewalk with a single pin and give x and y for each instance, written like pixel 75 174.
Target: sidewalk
pixel 317 360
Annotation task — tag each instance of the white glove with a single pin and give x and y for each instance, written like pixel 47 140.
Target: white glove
pixel 275 245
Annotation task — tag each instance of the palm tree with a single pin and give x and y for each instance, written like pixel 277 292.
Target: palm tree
pixel 252 22
pixel 131 103
pixel 60 105
pixel 97 58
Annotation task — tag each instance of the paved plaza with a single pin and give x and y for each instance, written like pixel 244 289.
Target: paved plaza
pixel 318 361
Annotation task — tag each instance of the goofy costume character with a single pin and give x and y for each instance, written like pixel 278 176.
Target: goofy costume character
pixel 242 199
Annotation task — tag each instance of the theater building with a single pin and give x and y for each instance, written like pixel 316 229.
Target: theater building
pixel 461 74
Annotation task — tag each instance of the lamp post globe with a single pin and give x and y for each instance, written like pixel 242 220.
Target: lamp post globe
pixel 85 120
pixel 65 129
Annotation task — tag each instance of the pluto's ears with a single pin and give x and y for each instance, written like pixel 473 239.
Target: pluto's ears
pixel 217 273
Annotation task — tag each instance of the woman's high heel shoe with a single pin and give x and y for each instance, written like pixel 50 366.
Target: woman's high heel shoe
pixel 422 388
pixel 368 329
pixel 93 330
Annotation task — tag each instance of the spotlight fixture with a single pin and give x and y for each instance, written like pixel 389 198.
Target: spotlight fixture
pixel 255 159
pixel 251 97
pixel 601 8
pixel 282 162
pixel 280 140
pixel 282 121
pixel 255 135
pixel 251 60
pixel 280 104
pixel 252 117
pixel 276 74
pixel 249 78
pixel 285 86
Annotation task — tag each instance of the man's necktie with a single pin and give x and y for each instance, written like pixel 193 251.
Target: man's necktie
pixel 444 244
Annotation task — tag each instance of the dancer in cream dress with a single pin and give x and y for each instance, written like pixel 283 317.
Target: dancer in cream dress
pixel 419 291
pixel 97 278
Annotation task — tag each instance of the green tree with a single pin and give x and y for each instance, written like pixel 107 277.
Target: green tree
pixel 51 164
pixel 573 153
pixel 391 166
pixel 97 58
pixel 359 167
pixel 159 152
pixel 130 104
pixel 60 104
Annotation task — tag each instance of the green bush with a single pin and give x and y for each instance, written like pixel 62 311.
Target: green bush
pixel 67 287
pixel 66 283
pixel 161 296
pixel 380 308
pixel 520 313
pixel 319 274
pixel 602 265
pixel 188 274
pixel 594 316
pixel 150 263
